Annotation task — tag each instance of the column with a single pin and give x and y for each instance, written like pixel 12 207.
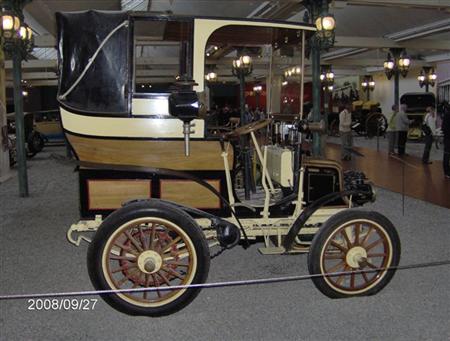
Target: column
pixel 4 154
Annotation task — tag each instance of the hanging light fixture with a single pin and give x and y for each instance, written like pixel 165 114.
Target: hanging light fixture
pixel 211 77
pixel 325 25
pixel 427 77
pixel 292 72
pixel 257 88
pixel 389 66
pixel 327 77
pixel 401 63
pixel 368 83
pixel 10 24
pixel 243 64
pixel 404 63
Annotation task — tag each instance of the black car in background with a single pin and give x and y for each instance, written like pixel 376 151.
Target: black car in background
pixel 34 141
pixel 417 103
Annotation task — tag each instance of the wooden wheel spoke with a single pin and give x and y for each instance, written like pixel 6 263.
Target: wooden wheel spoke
pixel 339 246
pixel 147 284
pixel 341 277
pixel 130 259
pixel 122 281
pixel 352 280
pixel 126 248
pixel 138 278
pixel 370 265
pixel 357 228
pixel 374 255
pixel 366 237
pixel 134 241
pixel 152 238
pixel 173 272
pixel 172 243
pixel 337 266
pixel 347 240
pixel 155 282
pixel 145 245
pixel 334 256
pixel 164 278
pixel 178 264
pixel 124 267
pixel 364 275
pixel 375 243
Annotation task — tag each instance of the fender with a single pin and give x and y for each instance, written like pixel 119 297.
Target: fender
pixel 311 209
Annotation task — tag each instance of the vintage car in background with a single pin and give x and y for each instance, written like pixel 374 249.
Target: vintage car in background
pixel 48 124
pixel 367 120
pixel 417 103
pixel 164 195
pixel 34 142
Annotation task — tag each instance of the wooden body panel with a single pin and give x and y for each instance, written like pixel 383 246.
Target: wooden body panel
pixel 190 193
pixel 106 194
pixel 205 154
pixel 102 191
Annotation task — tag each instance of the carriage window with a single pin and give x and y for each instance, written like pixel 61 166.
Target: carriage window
pixel 272 83
pixel 161 52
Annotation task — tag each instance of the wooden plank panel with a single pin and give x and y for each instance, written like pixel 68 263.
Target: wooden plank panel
pixel 110 194
pixel 205 155
pixel 190 193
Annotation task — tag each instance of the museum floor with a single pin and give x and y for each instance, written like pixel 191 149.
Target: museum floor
pixel 36 258
pixel 424 182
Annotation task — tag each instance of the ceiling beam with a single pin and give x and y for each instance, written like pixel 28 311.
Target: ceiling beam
pixel 376 43
pixel 429 4
pixel 44 41
pixel 34 64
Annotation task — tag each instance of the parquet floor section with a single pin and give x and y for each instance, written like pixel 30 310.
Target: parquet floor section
pixel 424 182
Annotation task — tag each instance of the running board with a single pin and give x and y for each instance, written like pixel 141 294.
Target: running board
pixel 279 250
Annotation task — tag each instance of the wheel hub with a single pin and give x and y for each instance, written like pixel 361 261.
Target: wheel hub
pixel 149 262
pixel 356 256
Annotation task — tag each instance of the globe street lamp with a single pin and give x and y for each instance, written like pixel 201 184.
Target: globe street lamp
pixel 243 67
pixel 18 43
pixel 325 25
pixel 427 77
pixel 368 85
pixel 396 64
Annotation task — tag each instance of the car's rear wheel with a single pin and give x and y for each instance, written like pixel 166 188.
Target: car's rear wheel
pixel 148 244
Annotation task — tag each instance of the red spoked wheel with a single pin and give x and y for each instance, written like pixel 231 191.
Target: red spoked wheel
pixel 362 244
pixel 148 246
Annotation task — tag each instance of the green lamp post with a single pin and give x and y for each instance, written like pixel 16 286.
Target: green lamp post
pixel 317 13
pixel 243 67
pixel 17 40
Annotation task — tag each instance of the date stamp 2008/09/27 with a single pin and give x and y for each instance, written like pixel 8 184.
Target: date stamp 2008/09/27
pixel 62 304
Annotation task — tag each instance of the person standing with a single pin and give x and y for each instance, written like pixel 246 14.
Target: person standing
pixel 345 131
pixel 429 129
pixel 446 131
pixel 391 130
pixel 402 124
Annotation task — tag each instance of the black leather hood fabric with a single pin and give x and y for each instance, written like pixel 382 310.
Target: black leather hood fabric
pixel 104 88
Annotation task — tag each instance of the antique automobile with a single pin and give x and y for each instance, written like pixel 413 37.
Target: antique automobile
pixel 47 123
pixel 33 139
pixel 163 196
pixel 416 105
pixel 367 120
